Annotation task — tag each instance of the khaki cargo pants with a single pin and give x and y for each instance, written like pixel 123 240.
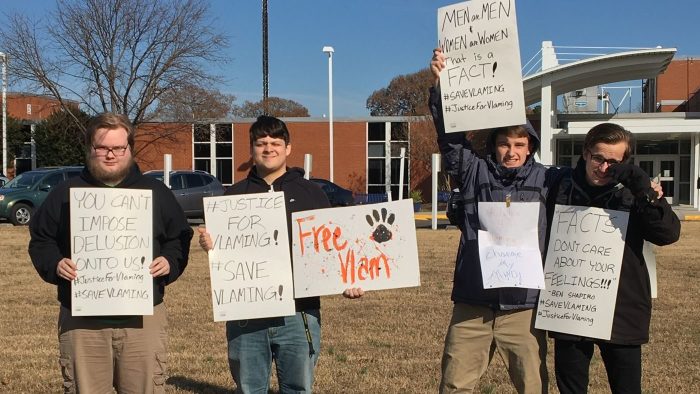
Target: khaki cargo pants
pixel 476 332
pixel 96 356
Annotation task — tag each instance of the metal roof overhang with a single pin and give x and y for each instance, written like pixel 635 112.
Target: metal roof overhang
pixel 622 66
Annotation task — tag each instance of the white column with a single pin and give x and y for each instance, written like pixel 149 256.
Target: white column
pixel 167 168
pixel 549 57
pixel 387 158
pixel 308 163
pixel 435 169
pixel 4 113
pixel 402 168
pixel 547 123
pixel 695 170
pixel 329 50
pixel 212 149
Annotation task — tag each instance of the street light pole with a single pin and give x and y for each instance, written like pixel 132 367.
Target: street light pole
pixel 329 51
pixel 4 113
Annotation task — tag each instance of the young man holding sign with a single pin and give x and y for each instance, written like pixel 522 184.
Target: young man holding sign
pixel 603 179
pixel 293 342
pixel 127 352
pixel 487 318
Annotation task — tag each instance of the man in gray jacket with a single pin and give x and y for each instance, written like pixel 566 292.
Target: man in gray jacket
pixel 484 319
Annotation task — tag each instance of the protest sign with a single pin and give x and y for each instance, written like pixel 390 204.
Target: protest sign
pixel 481 85
pixel 249 265
pixel 582 271
pixel 509 248
pixel 368 246
pixel 112 247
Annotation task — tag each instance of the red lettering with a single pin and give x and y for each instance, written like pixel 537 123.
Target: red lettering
pixel 348 263
pixel 336 237
pixel 303 234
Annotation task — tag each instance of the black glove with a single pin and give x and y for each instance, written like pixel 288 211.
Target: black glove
pixel 455 208
pixel 635 179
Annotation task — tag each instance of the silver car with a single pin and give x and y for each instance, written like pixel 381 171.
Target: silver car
pixel 190 187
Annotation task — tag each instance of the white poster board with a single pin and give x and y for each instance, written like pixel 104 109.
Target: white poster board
pixel 112 246
pixel 582 271
pixel 650 259
pixel 249 265
pixel 509 247
pixel 369 246
pixel 481 85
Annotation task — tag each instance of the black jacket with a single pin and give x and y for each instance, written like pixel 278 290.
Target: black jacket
pixel 656 223
pixel 299 195
pixel 483 179
pixel 50 231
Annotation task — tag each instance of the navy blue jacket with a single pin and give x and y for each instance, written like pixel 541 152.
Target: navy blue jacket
pixel 483 179
pixel 300 194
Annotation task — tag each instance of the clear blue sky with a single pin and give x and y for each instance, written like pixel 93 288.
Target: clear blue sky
pixel 376 40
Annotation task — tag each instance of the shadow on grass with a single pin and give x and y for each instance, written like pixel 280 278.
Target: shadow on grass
pixel 195 386
pixel 187 384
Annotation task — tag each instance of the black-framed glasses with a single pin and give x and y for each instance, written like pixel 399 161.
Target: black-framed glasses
pixel 598 160
pixel 115 150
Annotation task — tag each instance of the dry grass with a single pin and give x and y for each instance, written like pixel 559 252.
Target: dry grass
pixel 386 342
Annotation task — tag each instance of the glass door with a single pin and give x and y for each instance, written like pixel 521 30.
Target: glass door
pixel 662 169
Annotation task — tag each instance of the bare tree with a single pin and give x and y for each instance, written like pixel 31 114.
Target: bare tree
pixel 114 55
pixel 193 103
pixel 273 106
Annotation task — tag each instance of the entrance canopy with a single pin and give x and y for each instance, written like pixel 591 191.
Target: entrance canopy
pixel 621 66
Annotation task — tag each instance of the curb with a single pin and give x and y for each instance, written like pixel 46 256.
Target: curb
pixel 429 216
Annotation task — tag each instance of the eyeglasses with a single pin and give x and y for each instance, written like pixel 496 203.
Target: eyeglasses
pixel 598 160
pixel 115 150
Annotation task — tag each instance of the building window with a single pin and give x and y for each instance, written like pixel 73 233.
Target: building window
pixel 29 109
pixel 568 152
pixel 213 150
pixel 384 143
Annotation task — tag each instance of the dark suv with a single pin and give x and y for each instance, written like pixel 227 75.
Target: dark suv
pixel 338 196
pixel 190 187
pixel 20 197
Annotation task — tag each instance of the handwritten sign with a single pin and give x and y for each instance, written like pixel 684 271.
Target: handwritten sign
pixel 509 245
pixel 482 84
pixel 368 246
pixel 250 267
pixel 582 271
pixel 112 246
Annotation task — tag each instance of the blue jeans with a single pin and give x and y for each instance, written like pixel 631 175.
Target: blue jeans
pixel 253 344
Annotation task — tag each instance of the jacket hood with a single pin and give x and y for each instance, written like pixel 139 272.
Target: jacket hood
pixel 131 177
pixel 534 139
pixel 290 175
pixel 511 175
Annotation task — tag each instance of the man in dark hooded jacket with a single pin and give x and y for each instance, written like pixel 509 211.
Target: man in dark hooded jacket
pixel 98 353
pixel 500 318
pixel 603 179
pixel 293 342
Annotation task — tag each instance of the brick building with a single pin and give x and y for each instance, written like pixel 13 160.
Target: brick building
pixel 366 151
pixel 33 108
pixel 676 90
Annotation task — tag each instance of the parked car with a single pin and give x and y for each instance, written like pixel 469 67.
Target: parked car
pixel 338 196
pixel 190 187
pixel 21 196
